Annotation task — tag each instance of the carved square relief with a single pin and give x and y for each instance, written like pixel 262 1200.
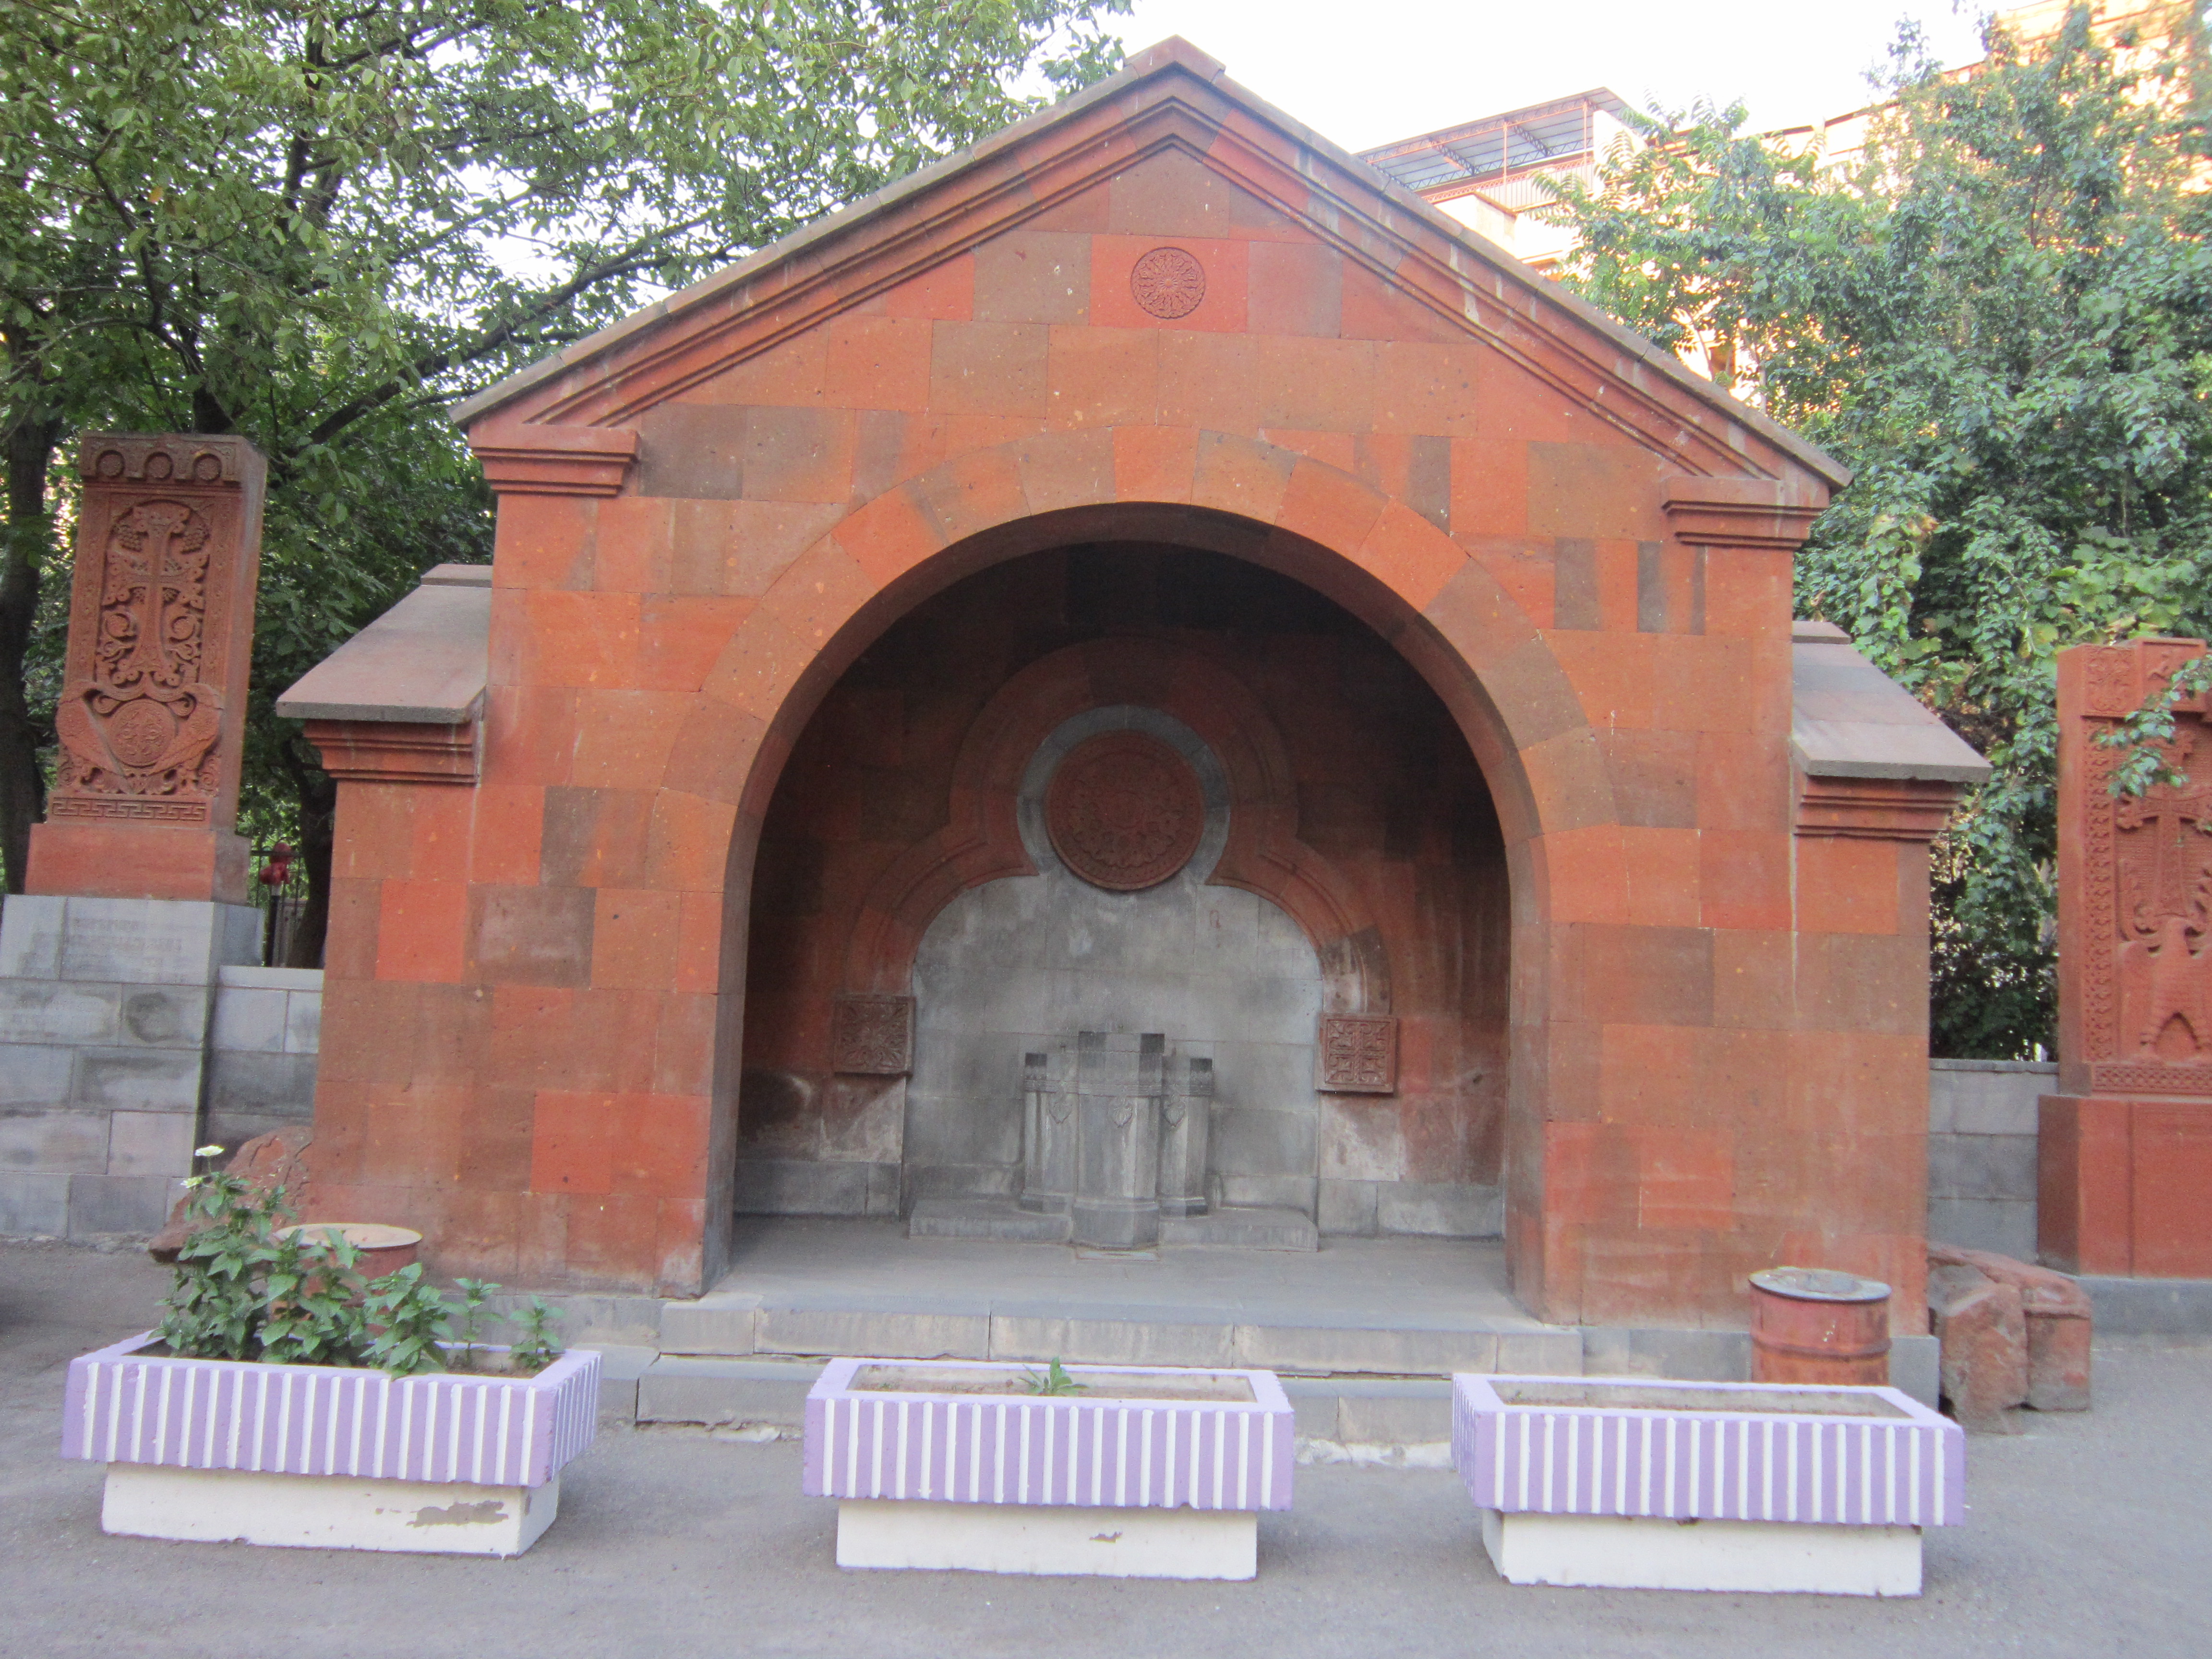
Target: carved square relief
pixel 872 1035
pixel 1358 1054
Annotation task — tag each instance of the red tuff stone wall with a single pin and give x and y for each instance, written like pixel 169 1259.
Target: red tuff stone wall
pixel 1355 806
pixel 537 1005
pixel 2125 1150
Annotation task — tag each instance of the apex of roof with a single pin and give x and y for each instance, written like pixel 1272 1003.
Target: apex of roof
pixel 943 209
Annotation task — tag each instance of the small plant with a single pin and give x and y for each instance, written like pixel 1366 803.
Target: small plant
pixel 1053 1380
pixel 474 1294
pixel 536 1346
pixel 244 1293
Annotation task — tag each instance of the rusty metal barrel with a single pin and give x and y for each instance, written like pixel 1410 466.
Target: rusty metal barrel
pixel 383 1249
pixel 1812 1325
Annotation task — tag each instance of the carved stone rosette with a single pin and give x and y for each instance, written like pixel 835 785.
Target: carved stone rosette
pixel 872 1035
pixel 2135 886
pixel 160 631
pixel 1357 1055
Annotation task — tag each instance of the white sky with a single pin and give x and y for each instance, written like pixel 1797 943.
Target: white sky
pixel 1363 74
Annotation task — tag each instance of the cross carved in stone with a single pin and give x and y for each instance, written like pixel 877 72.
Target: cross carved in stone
pixel 2174 816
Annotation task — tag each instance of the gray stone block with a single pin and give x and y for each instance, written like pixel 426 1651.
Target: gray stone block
pixel 1555 1352
pixel 163 1016
pixel 266 1084
pixel 1986 1096
pixel 1915 1362
pixel 36 1075
pixel 143 941
pixel 1109 1342
pixel 873 1333
pixel 1252 1191
pixel 150 1144
pixel 712 1325
pixel 1243 1230
pixel 303 1022
pixel 1685 1355
pixel 1438 1210
pixel 138 1079
pixel 1346 1208
pixel 675 1390
pixel 779 1186
pixel 116 1204
pixel 1388 1353
pixel 2005 1226
pixel 34 1202
pixel 55 1140
pixel 31 935
pixel 56 1011
pixel 249 1019
pixel 1363 1419
pixel 1982 1166
pixel 2150 1306
pixel 1312 1415
pixel 254 978
pixel 984 1217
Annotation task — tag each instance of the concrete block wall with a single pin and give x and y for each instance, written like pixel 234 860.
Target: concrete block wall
pixel 105 1009
pixel 1981 1152
pixel 261 1052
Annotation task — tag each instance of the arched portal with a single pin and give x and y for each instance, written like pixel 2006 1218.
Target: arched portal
pixel 1331 939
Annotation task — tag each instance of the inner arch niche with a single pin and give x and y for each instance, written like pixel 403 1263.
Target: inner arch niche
pixel 1331 931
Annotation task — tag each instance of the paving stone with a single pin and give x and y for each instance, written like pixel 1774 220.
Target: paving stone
pixel 872 1333
pixel 1396 1353
pixel 1111 1342
pixel 677 1389
pixel 712 1325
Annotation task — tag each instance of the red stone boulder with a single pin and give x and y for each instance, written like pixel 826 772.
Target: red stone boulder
pixel 278 1158
pixel 2058 1320
pixel 1983 1333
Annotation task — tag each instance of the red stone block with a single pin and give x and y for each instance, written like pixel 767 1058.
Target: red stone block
pixel 1847 886
pixel 1218 291
pixel 1663 868
pixel 879 362
pixel 112 859
pixel 1410 556
pixel 1295 288
pixel 545 541
pixel 989 368
pixel 1743 879
pixel 421 931
pixel 1984 1334
pixel 944 294
pixel 1154 463
pixel 633 546
pixel 1101 377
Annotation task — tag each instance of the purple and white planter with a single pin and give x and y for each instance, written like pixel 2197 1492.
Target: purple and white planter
pixel 1638 1483
pixel 328 1455
pixel 949 1463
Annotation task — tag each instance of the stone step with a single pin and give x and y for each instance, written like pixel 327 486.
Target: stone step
pixel 999 1219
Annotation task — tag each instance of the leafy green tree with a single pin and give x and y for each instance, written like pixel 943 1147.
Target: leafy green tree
pixel 316 223
pixel 2000 315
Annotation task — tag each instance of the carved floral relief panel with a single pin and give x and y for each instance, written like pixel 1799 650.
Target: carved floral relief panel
pixel 2146 881
pixel 156 646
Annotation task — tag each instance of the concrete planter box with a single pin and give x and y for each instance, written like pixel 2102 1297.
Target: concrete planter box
pixel 1154 1471
pixel 328 1456
pixel 1634 1484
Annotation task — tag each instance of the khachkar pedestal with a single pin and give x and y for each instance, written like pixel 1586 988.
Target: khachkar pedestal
pixel 2125 1147
pixel 136 885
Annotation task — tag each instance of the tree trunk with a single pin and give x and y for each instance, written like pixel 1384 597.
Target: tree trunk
pixel 318 795
pixel 29 537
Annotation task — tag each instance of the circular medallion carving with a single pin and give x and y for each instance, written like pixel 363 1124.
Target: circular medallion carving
pixel 1124 812
pixel 1168 282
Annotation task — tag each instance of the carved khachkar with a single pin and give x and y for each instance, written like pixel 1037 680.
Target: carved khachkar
pixel 1168 282
pixel 872 1035
pixel 1357 1054
pixel 160 623
pixel 1124 811
pixel 2135 888
pixel 153 701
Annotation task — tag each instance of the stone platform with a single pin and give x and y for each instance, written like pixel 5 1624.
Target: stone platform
pixel 1364 1332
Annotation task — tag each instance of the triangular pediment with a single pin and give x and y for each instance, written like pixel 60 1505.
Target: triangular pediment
pixel 1043 225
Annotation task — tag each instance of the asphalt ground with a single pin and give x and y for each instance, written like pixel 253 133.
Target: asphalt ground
pixel 2088 1535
